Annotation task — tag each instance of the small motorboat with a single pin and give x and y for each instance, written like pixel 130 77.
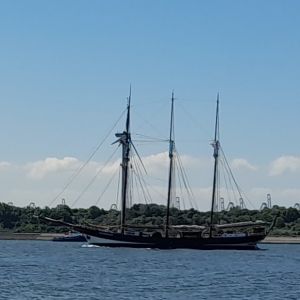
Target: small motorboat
pixel 71 236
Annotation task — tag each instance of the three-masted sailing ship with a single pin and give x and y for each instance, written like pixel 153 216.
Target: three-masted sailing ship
pixel 242 235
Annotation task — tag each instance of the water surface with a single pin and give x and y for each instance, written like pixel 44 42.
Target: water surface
pixel 48 270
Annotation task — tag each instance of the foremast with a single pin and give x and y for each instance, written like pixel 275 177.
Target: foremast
pixel 125 141
pixel 171 166
pixel 216 146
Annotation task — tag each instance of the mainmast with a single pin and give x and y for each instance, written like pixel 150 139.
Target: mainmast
pixel 171 150
pixel 216 146
pixel 125 141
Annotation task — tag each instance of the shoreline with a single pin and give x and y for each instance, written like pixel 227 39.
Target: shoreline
pixel 281 240
pixel 29 236
pixel 50 236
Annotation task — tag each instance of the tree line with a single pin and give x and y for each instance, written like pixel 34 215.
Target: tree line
pixel 23 219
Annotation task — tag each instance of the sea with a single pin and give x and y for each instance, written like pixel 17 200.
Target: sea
pixel 65 270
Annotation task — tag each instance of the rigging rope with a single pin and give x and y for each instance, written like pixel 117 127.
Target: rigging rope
pixel 191 117
pixel 137 188
pixel 185 181
pixel 142 181
pixel 150 138
pixel 154 128
pixel 236 184
pixel 118 188
pixel 78 171
pixel 225 181
pixel 182 181
pixel 94 178
pixel 107 186
pixel 180 184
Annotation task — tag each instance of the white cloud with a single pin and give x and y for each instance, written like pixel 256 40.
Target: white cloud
pixel 156 161
pixel 40 169
pixel 109 168
pixel 285 164
pixel 21 190
pixel 4 165
pixel 241 163
pixel 154 164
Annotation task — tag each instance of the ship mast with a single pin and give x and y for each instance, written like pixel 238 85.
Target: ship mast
pixel 171 157
pixel 216 146
pixel 125 141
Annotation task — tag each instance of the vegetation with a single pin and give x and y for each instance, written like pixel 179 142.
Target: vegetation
pixel 19 219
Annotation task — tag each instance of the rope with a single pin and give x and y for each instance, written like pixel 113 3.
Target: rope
pixel 106 187
pixel 236 184
pixel 94 178
pixel 186 182
pixel 78 171
pixel 142 182
pixel 118 188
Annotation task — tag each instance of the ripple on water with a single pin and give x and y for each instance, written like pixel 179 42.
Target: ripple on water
pixel 46 270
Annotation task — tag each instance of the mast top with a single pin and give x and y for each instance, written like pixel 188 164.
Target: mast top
pixel 217 120
pixel 128 111
pixel 129 97
pixel 171 139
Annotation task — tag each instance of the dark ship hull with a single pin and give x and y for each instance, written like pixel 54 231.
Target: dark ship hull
pixel 117 240
pixel 155 239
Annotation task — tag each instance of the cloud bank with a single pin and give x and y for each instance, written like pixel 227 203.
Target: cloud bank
pixel 241 163
pixel 285 164
pixel 41 168
pixel 4 165
pixel 40 181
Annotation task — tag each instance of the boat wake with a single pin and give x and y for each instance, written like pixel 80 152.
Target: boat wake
pixel 89 246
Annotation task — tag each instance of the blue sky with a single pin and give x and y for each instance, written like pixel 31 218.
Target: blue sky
pixel 66 67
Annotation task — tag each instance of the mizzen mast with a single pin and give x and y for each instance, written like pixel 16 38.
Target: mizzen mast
pixel 125 141
pixel 171 166
pixel 216 146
